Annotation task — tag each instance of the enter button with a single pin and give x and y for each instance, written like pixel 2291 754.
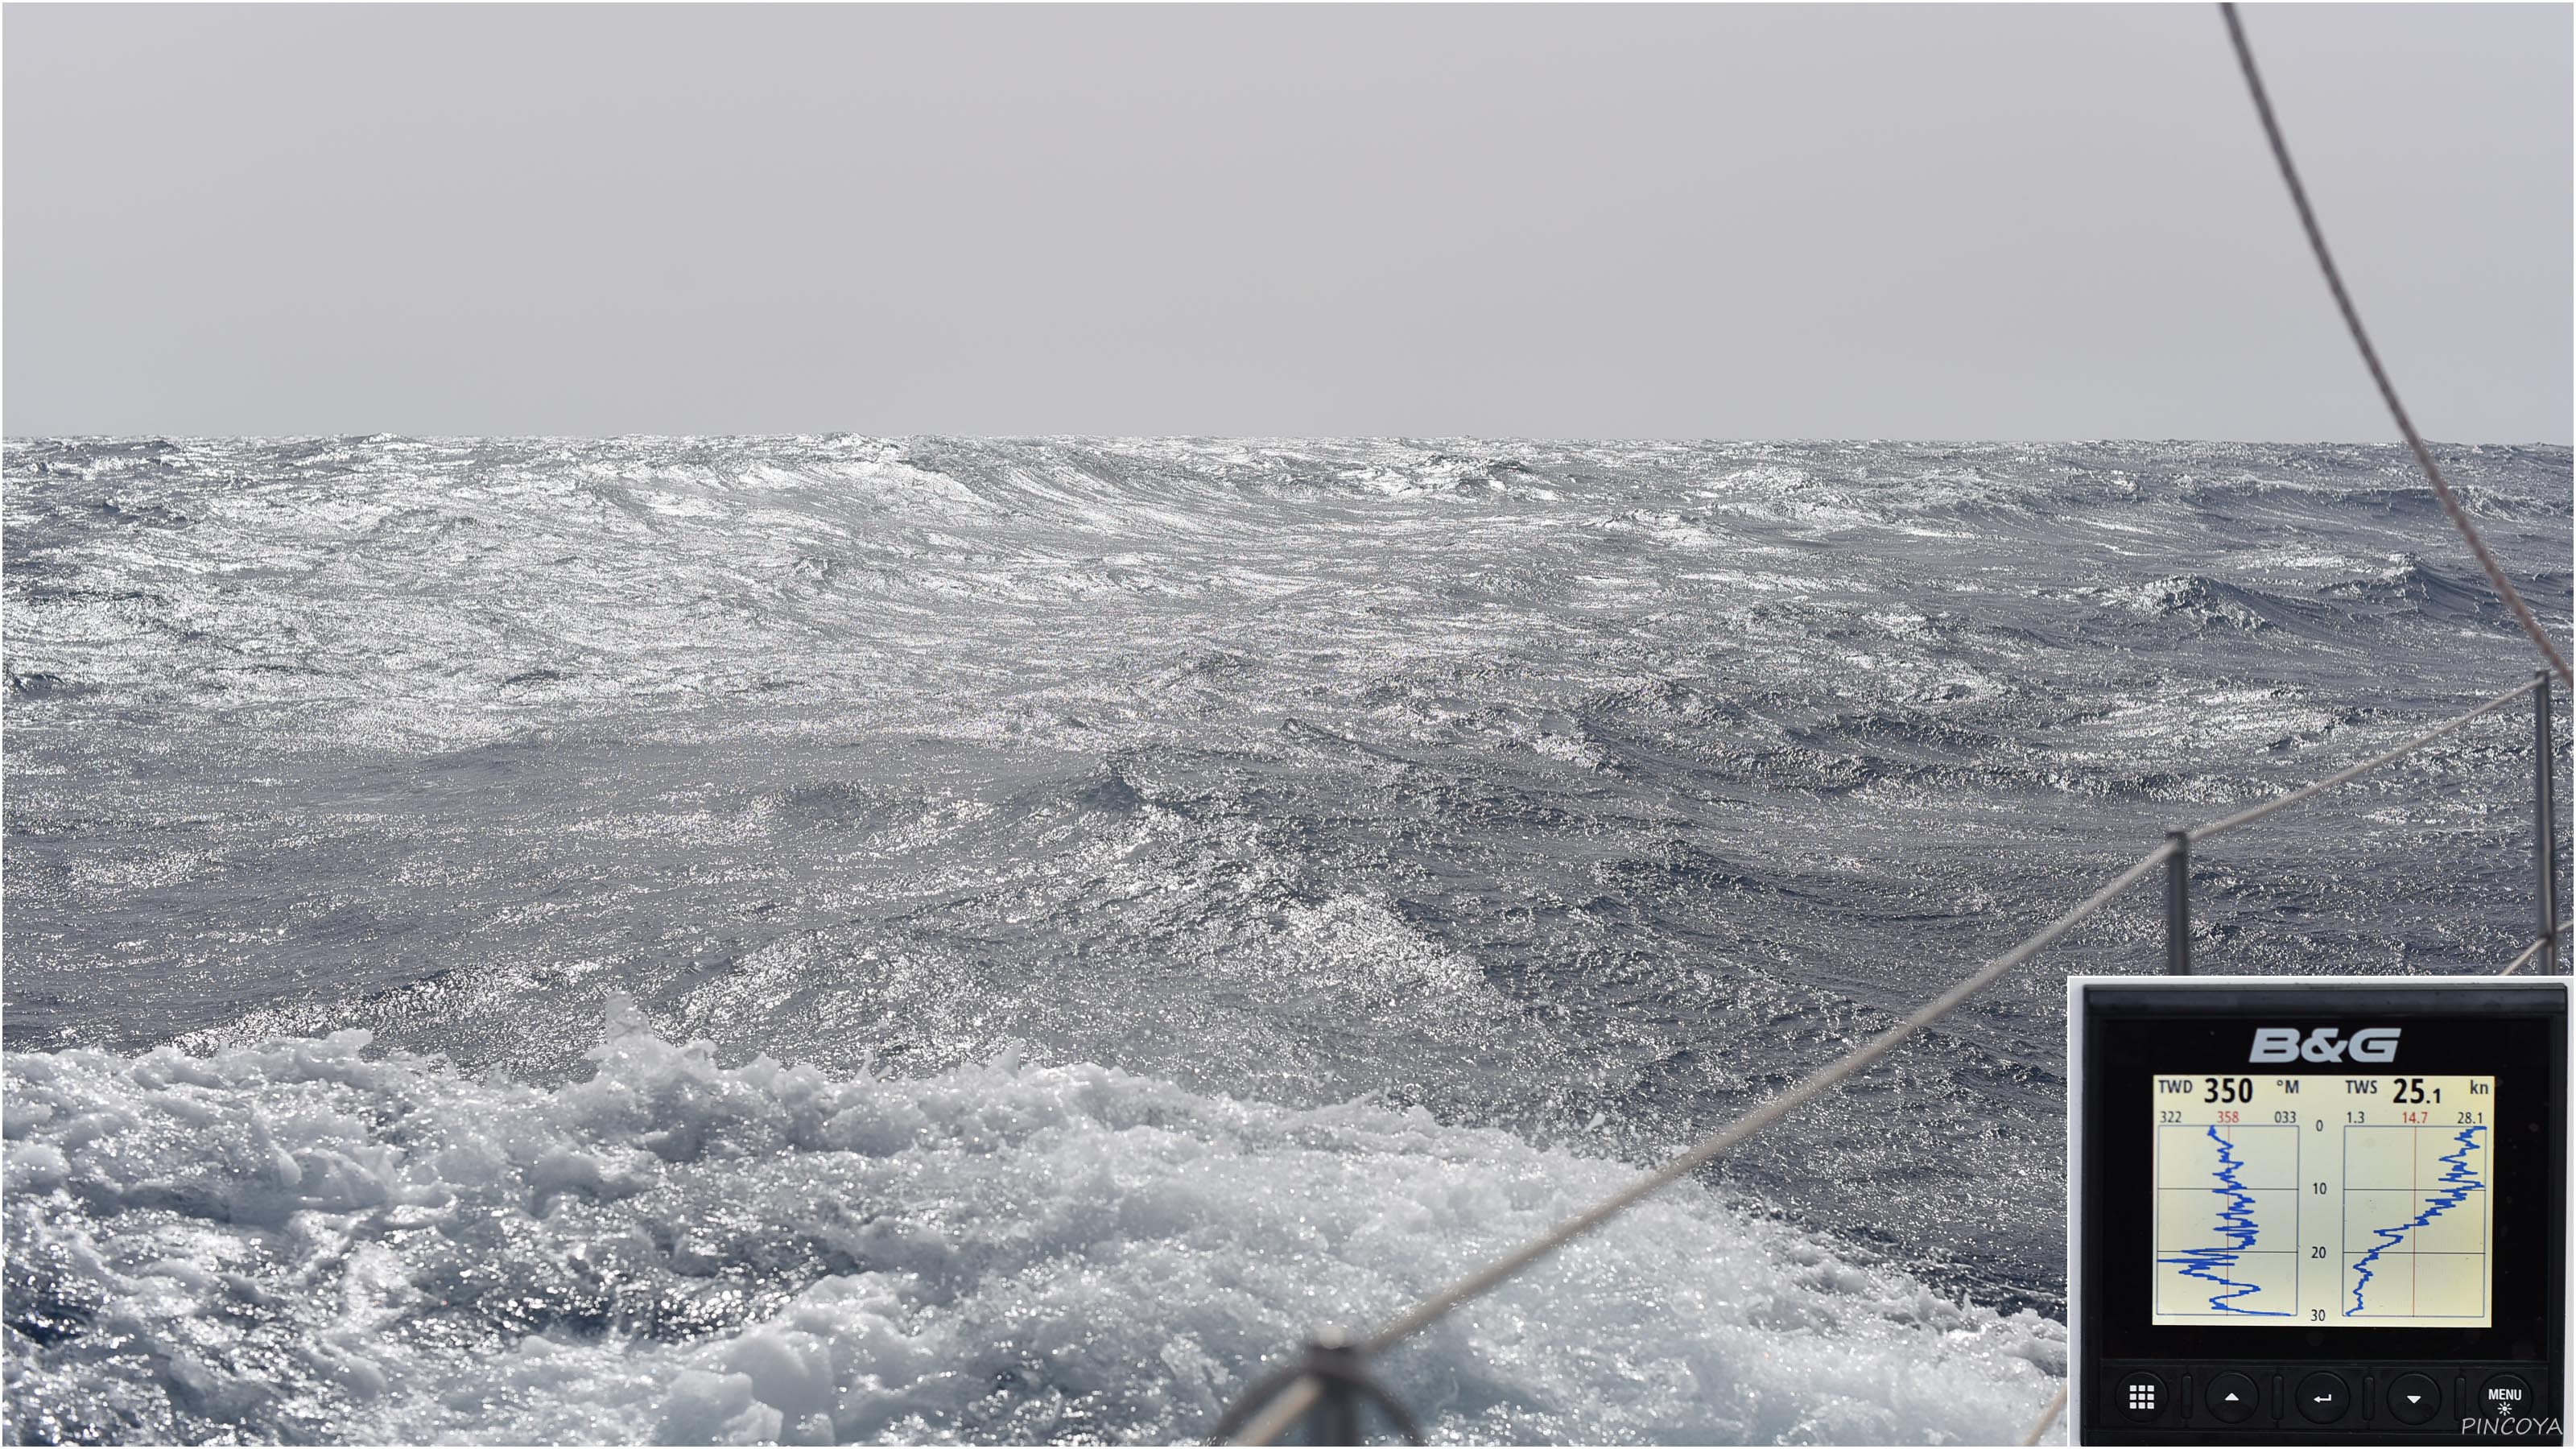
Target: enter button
pixel 2413 1399
pixel 2323 1398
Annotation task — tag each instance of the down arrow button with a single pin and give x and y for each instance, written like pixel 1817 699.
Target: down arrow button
pixel 2413 1398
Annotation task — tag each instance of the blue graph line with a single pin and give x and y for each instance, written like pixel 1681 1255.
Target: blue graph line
pixel 2462 1183
pixel 2235 1223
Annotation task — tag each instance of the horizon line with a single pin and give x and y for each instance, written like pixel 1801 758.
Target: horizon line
pixel 9 439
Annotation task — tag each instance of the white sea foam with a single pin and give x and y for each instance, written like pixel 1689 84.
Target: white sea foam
pixel 1574 790
pixel 301 1240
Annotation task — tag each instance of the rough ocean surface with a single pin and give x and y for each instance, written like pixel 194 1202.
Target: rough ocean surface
pixel 834 938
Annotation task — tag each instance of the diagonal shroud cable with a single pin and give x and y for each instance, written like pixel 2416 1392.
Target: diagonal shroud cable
pixel 2387 391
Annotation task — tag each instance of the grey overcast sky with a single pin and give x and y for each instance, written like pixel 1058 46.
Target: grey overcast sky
pixel 2028 221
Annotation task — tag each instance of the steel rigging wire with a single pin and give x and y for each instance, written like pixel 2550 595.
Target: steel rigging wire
pixel 1333 1372
pixel 2459 516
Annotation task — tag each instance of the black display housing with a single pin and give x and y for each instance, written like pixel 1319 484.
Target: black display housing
pixel 2126 1032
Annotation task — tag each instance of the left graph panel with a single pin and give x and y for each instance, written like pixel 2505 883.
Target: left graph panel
pixel 2227 1222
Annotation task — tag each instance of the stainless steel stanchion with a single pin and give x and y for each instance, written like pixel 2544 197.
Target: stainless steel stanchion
pixel 2544 825
pixel 2178 904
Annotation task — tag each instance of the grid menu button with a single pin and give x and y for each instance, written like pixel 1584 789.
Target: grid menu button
pixel 2142 1396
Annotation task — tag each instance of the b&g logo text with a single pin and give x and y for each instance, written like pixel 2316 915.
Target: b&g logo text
pixel 2325 1044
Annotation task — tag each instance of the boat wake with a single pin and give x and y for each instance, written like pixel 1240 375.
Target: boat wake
pixel 302 1239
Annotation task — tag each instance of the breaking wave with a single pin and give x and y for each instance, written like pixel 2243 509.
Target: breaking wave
pixel 1419 837
pixel 299 1240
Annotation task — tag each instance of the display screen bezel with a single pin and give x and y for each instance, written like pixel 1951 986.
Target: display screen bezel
pixel 2516 1035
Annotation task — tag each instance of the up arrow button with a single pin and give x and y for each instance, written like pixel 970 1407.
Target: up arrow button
pixel 2231 1398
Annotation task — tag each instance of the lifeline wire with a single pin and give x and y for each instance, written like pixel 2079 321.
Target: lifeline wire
pixel 1766 1114
pixel 2534 949
pixel 2048 1416
pixel 2387 390
pixel 1940 1006
pixel 1300 1396
pixel 1290 1405
pixel 2199 833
